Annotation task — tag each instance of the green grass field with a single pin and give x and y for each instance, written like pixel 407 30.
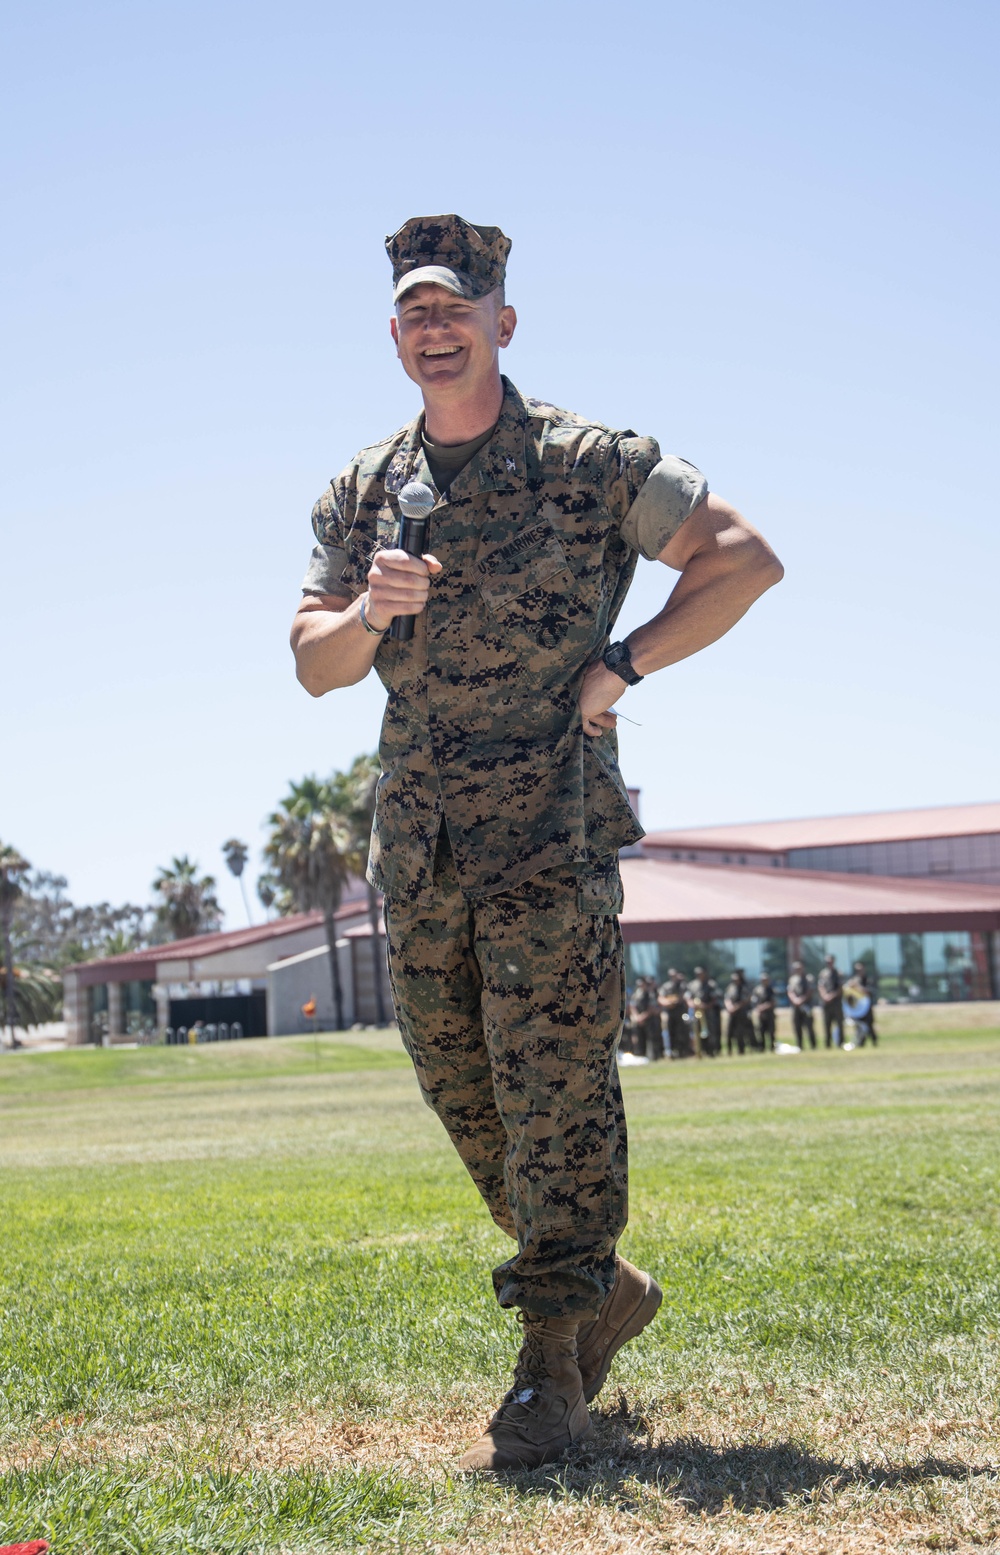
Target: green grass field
pixel 246 1307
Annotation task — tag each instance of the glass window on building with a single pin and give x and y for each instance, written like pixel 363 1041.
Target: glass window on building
pixel 969 858
pixel 719 957
pixel 97 1012
pixel 948 965
pixel 861 947
pixel 749 954
pixel 923 968
pixel 887 954
pixel 642 960
pixel 138 1009
pixel 812 952
pixel 912 975
pixel 908 968
pixel 774 961
pixel 839 946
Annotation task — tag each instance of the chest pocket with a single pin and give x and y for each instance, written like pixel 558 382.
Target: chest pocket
pixel 530 594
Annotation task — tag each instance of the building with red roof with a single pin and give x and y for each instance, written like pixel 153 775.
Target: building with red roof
pixel 238 977
pixel 913 894
pixel 961 842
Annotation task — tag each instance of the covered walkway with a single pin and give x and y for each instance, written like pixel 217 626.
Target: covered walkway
pixel 935 938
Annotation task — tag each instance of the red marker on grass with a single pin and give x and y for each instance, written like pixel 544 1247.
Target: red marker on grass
pixel 34 1547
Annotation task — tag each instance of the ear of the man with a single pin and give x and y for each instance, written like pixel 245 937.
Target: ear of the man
pixel 508 324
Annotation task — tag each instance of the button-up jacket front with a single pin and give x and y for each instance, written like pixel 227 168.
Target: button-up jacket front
pixel 481 725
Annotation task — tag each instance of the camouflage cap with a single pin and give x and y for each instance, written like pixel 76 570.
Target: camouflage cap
pixel 447 251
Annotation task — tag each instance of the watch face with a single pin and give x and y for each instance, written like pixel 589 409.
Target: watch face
pixel 619 659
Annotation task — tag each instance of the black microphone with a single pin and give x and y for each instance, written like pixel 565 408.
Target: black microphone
pixel 415 503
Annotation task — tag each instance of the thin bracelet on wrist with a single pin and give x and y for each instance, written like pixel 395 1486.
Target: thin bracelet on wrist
pixel 373 631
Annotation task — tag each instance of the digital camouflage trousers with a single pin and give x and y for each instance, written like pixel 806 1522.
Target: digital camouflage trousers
pixel 511 1009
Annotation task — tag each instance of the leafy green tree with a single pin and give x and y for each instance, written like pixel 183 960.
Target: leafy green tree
pixel 42 924
pixel 311 852
pixel 236 854
pixel 119 944
pixel 104 930
pixel 188 904
pixel 46 932
pixel 49 930
pixel 13 869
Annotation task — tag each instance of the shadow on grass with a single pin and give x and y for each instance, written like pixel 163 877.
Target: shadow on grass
pixel 752 1478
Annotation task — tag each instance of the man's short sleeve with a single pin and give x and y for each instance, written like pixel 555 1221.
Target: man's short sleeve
pixel 324 575
pixel 628 460
pixel 670 493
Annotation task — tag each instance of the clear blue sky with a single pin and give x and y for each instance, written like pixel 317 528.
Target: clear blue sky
pixel 765 234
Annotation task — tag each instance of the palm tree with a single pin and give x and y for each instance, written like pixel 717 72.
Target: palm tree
pixel 236 854
pixel 37 996
pixel 268 891
pixel 13 868
pixel 188 905
pixel 118 944
pixel 356 794
pixel 311 857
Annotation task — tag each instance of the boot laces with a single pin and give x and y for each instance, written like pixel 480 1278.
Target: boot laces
pixel 530 1371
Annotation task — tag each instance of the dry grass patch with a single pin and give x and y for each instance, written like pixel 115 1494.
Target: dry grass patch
pixel 748 1470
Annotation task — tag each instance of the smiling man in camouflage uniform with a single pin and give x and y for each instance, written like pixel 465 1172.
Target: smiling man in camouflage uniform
pixel 501 809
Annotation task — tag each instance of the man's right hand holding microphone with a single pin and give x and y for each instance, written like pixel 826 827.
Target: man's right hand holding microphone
pixel 398 585
pixel 399 579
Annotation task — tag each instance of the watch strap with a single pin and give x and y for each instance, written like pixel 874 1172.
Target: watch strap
pixel 618 659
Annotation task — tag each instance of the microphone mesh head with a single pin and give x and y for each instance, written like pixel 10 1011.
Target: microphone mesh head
pixel 416 500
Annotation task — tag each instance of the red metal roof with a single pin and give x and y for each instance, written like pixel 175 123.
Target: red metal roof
pixel 968 820
pixel 677 901
pixel 673 901
pixel 140 965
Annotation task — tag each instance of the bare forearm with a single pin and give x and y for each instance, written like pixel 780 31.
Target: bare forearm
pixel 724 565
pixel 331 643
pixel 712 593
pixel 331 647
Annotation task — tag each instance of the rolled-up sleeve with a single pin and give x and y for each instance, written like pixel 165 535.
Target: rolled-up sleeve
pixel 669 495
pixel 324 574
pixel 628 460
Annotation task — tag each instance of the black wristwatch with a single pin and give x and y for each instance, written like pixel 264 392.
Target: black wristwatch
pixel 619 659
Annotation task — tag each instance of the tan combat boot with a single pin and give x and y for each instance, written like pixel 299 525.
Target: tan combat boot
pixel 545 1409
pixel 634 1300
